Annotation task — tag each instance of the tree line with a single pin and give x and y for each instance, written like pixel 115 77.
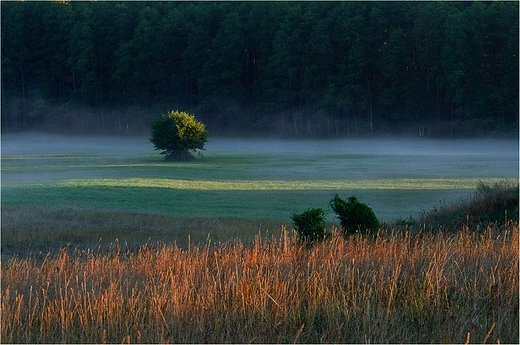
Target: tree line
pixel 286 68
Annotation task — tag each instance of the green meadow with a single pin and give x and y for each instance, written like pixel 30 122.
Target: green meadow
pixel 238 188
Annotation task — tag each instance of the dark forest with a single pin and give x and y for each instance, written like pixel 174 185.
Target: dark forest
pixel 305 69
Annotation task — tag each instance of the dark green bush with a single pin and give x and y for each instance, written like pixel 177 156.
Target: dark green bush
pixel 489 204
pixel 178 135
pixel 353 215
pixel 310 225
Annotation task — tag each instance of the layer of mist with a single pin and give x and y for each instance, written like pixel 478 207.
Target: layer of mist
pixel 400 146
pixel 42 143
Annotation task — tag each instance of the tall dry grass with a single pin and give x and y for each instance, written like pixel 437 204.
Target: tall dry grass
pixel 397 287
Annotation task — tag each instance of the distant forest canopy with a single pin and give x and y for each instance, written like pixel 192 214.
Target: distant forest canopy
pixel 280 68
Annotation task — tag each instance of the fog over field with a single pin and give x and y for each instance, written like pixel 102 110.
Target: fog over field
pixel 35 143
pixel 410 147
pixel 48 144
pixel 298 173
pixel 396 158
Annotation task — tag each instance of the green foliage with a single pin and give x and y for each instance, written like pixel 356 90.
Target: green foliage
pixel 495 203
pixel 287 68
pixel 354 216
pixel 310 225
pixel 178 135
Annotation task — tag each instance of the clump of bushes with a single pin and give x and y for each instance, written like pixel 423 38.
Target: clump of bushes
pixel 310 225
pixel 354 217
pixel 489 204
pixel 495 205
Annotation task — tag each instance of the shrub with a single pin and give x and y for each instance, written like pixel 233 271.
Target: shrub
pixel 354 216
pixel 489 204
pixel 178 135
pixel 310 225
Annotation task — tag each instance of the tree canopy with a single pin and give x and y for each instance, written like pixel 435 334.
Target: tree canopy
pixel 178 135
pixel 288 68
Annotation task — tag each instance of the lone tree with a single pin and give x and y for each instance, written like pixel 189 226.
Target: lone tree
pixel 178 135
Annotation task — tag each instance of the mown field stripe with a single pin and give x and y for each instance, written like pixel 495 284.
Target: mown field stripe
pixel 244 185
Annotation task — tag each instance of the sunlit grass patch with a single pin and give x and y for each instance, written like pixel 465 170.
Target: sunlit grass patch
pixel 245 185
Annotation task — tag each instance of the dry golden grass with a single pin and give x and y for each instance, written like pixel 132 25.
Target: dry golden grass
pixel 394 288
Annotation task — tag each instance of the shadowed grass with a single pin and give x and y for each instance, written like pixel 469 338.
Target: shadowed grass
pixel 491 203
pixel 30 230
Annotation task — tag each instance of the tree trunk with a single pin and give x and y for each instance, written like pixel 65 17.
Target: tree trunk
pixel 24 100
pixel 369 105
pixel 295 123
pixel 336 123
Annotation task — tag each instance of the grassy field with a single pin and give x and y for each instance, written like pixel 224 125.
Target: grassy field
pixel 105 242
pixel 48 182
pixel 396 288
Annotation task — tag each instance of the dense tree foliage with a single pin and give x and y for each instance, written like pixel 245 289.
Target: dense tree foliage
pixel 354 215
pixel 178 135
pixel 291 68
pixel 310 225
